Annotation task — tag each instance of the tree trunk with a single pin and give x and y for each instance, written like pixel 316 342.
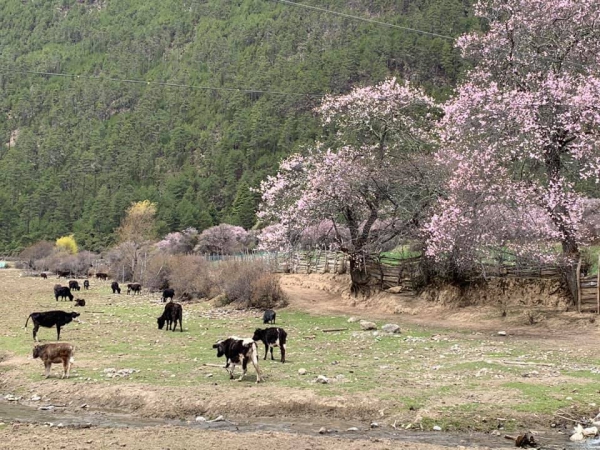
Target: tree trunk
pixel 359 275
pixel 571 252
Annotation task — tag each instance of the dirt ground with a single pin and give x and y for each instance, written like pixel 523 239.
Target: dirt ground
pixel 449 367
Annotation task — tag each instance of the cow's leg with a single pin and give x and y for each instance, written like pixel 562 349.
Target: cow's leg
pixel 244 369
pixel 66 364
pixel 255 364
pixel 266 351
pixel 57 332
pixel 272 359
pixel 232 368
pixel 282 348
pixel 181 324
pixel 47 365
pixel 36 327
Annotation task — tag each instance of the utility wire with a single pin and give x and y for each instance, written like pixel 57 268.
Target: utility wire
pixel 364 19
pixel 160 83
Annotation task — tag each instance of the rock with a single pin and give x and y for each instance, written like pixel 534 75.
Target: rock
pixel 301 371
pixel 353 319
pixel 12 398
pixel 501 333
pixel 395 289
pixel 374 425
pixel 35 398
pixel 391 328
pixel 569 398
pixel 576 437
pixel 437 428
pixel 84 406
pixel 200 419
pixel 495 433
pixel 218 419
pixel 322 430
pixel 46 408
pixel 366 325
pixel 208 375
pixel 352 429
pixel 322 379
pixel 60 425
pixel 590 431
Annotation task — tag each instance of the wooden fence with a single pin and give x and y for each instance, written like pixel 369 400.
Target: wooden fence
pixel 588 291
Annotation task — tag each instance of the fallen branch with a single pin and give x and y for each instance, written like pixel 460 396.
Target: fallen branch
pixel 331 330
pixel 214 365
pixel 566 418
pixel 523 363
pixel 310 337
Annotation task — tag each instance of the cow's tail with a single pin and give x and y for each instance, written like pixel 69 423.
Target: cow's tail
pixel 28 317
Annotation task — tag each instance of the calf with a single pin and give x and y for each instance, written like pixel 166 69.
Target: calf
pixel 86 284
pixel 79 302
pixel 55 353
pixel 115 287
pixel 238 351
pixel 173 312
pixel 62 292
pixel 50 319
pixel 134 287
pixel 272 337
pixel 269 316
pixel 44 276
pixel 74 285
pixel 102 276
pixel 63 273
pixel 168 293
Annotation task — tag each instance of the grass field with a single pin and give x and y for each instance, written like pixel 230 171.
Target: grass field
pixel 425 376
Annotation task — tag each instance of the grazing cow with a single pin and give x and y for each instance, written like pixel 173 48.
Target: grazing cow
pixel 86 284
pixel 168 293
pixel 55 353
pixel 62 292
pixel 74 285
pixel 102 276
pixel 134 287
pixel 44 276
pixel 173 312
pixel 50 319
pixel 238 351
pixel 115 287
pixel 63 273
pixel 269 316
pixel 79 302
pixel 272 337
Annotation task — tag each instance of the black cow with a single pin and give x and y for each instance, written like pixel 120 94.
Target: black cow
pixel 86 284
pixel 272 337
pixel 115 287
pixel 74 285
pixel 135 288
pixel 44 276
pixel 269 316
pixel 168 293
pixel 238 351
pixel 102 276
pixel 63 273
pixel 62 292
pixel 50 319
pixel 173 312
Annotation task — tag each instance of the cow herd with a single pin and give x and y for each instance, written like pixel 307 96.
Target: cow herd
pixel 237 351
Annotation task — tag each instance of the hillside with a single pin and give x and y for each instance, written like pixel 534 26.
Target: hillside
pixel 75 151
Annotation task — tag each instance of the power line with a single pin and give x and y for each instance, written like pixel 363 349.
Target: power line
pixel 364 19
pixel 161 83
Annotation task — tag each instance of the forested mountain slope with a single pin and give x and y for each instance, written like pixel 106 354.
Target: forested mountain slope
pixel 74 152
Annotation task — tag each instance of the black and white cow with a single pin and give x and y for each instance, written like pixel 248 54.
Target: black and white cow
pixel 272 337
pixel 238 351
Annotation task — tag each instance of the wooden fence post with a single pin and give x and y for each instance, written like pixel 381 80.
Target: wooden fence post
pixel 598 288
pixel 578 284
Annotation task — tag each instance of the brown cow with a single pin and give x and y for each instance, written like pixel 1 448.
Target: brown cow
pixel 55 353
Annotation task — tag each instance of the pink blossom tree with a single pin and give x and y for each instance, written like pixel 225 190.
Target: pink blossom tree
pixel 523 129
pixel 376 170
pixel 179 242
pixel 223 239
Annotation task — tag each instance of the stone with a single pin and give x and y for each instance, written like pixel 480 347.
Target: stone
pixel 501 333
pixel 576 437
pixel 60 425
pixel 301 371
pixel 352 429
pixel 353 319
pixel 322 430
pixel 590 431
pixel 208 375
pixel 200 419
pixel 437 428
pixel 391 328
pixel 35 398
pixel 322 379
pixel 374 425
pixel 395 289
pixel 366 325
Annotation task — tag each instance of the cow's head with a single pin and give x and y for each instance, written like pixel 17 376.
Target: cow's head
pixel 37 351
pixel 258 334
pixel 75 315
pixel 220 346
pixel 161 322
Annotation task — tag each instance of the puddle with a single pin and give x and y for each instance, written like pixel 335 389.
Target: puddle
pixel 13 411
